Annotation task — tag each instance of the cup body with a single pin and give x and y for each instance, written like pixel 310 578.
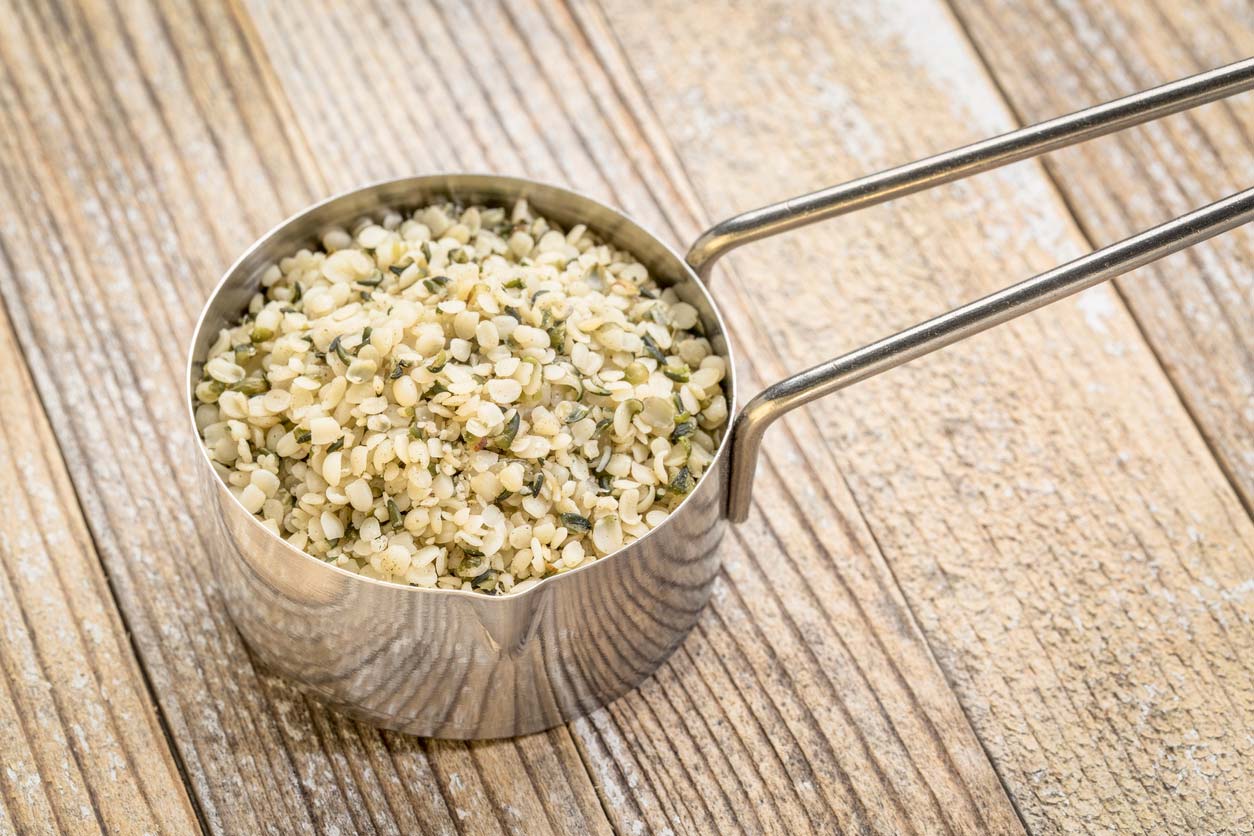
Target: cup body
pixel 447 663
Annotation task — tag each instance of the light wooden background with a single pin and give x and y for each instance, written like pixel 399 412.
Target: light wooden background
pixel 1008 588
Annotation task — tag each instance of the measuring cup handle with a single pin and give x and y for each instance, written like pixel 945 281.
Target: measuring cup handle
pixel 991 310
pixel 972 318
pixel 967 160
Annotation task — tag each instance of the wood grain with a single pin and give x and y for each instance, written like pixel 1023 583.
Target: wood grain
pixel 1007 585
pixel 1076 558
pixel 82 749
pixel 1197 312
pixel 143 148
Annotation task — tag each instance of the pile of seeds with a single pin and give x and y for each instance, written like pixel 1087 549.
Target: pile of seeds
pixel 464 398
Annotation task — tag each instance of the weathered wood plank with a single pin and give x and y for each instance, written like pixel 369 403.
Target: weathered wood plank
pixel 1078 521
pixel 806 700
pixel 1075 556
pixel 144 146
pixel 82 749
pixel 1197 312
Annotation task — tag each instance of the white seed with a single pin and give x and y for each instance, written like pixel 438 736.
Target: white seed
pixel 324 430
pixel 347 266
pixel 607 534
pixel 359 495
pixel 372 236
pixel 405 391
pixel 706 378
pixel 511 477
pixel 359 371
pixel 252 498
pixel 521 244
pixel 287 446
pixel 224 371
pixel 332 528
pixel 573 554
pixel 266 481
pixel 332 467
pixel 683 316
pixel 504 391
pixel 486 335
pixel 276 401
pixel 658 412
pixel 426 555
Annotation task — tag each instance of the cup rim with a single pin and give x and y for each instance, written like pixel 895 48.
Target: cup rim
pixel 519 185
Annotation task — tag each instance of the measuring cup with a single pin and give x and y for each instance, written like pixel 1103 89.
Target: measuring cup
pixel 448 663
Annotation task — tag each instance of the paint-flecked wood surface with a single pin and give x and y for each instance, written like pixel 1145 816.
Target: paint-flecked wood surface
pixel 1005 587
pixel 1075 556
pixel 81 747
pixel 1196 311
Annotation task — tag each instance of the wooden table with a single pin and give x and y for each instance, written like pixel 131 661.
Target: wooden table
pixel 1006 588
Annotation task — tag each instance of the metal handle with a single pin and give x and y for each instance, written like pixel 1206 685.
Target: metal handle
pixel 999 307
pixel 987 154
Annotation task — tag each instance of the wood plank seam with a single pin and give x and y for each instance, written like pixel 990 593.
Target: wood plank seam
pixel 749 362
pixel 147 687
pixel 701 215
pixel 1085 229
pixel 106 596
pixel 96 541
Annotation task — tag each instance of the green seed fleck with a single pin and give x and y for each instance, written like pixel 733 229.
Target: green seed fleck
pixel 651 346
pixel 576 523
pixel 398 369
pixel 436 283
pixel 683 428
pixel 682 483
pixel 506 438
pixel 486 582
pixel 339 350
pixel 251 386
pixel 679 373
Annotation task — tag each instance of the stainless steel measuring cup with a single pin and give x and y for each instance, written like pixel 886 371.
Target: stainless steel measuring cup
pixel 456 664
